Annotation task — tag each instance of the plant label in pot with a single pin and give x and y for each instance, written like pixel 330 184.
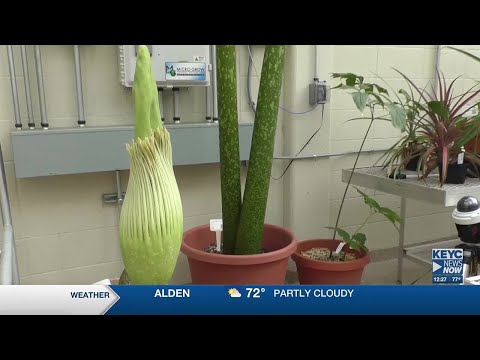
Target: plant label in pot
pixel 216 225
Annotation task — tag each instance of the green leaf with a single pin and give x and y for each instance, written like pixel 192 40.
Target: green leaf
pixel 410 115
pixel 342 75
pixel 398 115
pixel 351 80
pixel 344 235
pixel 381 90
pixel 360 99
pixel 345 87
pixel 358 242
pixel 368 200
pixel 406 94
pixel 360 238
pixel 368 88
pixel 391 215
pixel 379 99
pixel 438 107
pixel 472 130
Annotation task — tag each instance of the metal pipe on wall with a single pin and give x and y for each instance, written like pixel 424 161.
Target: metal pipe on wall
pixel 28 94
pixel 176 105
pixel 41 88
pixel 13 84
pixel 9 274
pixel 160 103
pixel 209 91
pixel 119 187
pixel 213 52
pixel 249 79
pixel 78 82
pixel 437 67
pixel 208 105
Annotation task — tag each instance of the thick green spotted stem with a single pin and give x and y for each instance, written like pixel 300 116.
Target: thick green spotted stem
pixel 229 144
pixel 252 217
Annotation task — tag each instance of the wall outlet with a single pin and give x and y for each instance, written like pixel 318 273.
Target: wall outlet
pixel 318 92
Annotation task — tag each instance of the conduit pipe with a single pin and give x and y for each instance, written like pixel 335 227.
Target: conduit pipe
pixel 160 103
pixel 176 105
pixel 13 84
pixel 208 96
pixel 78 82
pixel 41 88
pixel 213 52
pixel 28 94
pixel 9 274
pixel 437 67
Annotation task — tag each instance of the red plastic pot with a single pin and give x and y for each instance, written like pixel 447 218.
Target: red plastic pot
pixel 266 268
pixel 328 272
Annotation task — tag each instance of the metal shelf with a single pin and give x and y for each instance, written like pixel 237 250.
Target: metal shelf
pixel 422 253
pixel 424 190
pixel 428 190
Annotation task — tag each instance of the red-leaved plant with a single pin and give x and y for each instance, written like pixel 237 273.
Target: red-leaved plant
pixel 442 125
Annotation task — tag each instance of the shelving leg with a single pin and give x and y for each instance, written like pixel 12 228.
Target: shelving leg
pixel 401 242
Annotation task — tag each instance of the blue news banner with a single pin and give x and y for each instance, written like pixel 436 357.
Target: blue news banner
pixel 295 300
pixel 239 300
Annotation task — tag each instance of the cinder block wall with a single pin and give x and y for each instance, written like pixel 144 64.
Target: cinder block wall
pixel 66 235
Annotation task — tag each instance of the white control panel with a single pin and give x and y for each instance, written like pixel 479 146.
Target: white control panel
pixel 173 65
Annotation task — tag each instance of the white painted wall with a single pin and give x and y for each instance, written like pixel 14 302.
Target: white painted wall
pixel 65 234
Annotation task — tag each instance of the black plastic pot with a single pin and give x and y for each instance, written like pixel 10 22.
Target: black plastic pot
pixel 472 170
pixel 412 164
pixel 456 173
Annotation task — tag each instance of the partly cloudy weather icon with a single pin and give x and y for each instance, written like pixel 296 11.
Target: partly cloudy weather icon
pixel 234 293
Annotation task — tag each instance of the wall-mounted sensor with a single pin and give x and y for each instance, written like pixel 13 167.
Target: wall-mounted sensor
pixel 318 92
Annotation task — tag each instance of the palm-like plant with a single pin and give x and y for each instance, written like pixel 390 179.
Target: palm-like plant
pixel 442 126
pixel 434 125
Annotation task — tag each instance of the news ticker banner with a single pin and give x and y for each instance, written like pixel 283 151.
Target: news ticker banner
pixel 239 300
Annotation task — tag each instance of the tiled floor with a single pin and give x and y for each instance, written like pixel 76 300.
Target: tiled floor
pixel 382 270
pixel 385 272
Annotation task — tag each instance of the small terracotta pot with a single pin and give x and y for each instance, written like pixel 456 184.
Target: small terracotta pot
pixel 328 272
pixel 267 268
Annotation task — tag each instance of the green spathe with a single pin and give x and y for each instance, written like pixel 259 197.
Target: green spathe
pixel 151 221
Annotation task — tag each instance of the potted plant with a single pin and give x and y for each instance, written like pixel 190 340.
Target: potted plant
pixel 406 152
pixel 151 220
pixel 472 146
pixel 252 252
pixel 332 261
pixel 445 129
pixel 327 261
pixel 435 126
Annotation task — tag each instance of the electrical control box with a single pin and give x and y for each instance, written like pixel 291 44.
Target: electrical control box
pixel 172 65
pixel 318 93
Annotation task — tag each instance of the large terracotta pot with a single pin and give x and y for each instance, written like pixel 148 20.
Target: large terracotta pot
pixel 266 268
pixel 328 272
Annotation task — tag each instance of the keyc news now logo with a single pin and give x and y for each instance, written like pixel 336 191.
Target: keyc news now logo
pixel 447 266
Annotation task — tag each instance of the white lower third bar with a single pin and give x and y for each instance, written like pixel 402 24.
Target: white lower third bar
pixel 56 299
